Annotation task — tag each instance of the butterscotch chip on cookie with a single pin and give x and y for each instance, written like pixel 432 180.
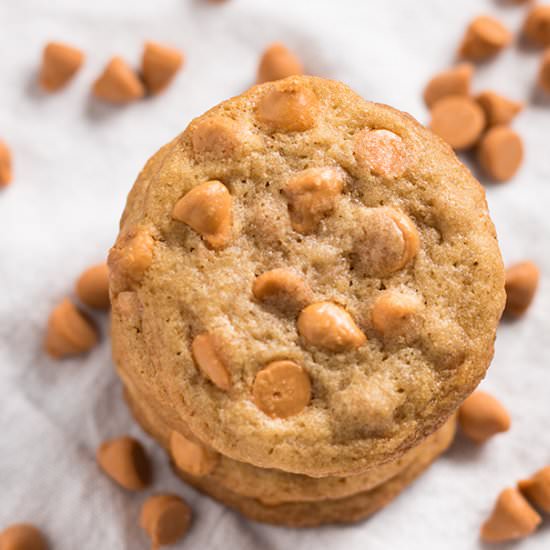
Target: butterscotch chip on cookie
pixel 60 62
pixel 277 221
pixel 159 66
pixel 191 456
pixel 5 165
pixel 278 62
pixel 118 83
pixel 454 81
pixel 484 38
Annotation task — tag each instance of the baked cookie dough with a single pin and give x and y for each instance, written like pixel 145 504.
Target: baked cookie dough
pixel 317 278
pixel 345 510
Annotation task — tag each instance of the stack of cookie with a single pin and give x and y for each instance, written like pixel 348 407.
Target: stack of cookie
pixel 305 287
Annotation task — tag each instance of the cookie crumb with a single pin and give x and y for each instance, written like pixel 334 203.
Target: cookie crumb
pixel 60 63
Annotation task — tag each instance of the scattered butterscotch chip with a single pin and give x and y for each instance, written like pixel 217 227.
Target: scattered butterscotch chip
pixel 207 210
pixel 484 38
pixel 482 416
pixel 329 326
pixel 500 153
pixel 544 72
pixel 22 536
pixel 60 62
pixel 498 109
pixel 537 489
pixel 512 518
pixel 5 165
pixel 282 288
pixel 191 456
pixel 209 362
pixel 282 389
pixel 382 152
pixel 124 460
pixel 118 83
pixel 522 281
pixel 455 81
pixel 392 312
pixel 69 332
pixel 166 518
pixel 278 62
pixel 292 108
pixel 130 258
pixel 92 287
pixel 386 242
pixel 536 27
pixel 312 194
pixel 159 65
pixel 458 120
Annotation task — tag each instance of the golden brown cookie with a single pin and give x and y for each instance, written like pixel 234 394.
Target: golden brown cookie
pixel 396 211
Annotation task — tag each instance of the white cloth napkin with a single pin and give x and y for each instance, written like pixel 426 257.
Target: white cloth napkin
pixel 75 161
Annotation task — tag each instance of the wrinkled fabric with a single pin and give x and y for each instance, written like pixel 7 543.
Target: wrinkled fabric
pixel 75 160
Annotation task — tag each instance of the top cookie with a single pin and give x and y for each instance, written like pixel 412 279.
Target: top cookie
pixel 318 277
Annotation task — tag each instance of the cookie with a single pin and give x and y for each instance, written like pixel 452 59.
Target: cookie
pixel 346 510
pixel 269 486
pixel 262 244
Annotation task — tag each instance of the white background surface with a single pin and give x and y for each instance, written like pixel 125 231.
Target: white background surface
pixel 75 160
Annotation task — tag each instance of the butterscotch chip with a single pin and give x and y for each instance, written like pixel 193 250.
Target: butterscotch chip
pixel 191 456
pixel 159 66
pixel 522 281
pixel 393 311
pixel 289 109
pixel 207 210
pixel 22 536
pixel 166 518
pixel 537 489
pixel 130 258
pixel 209 362
pixel 118 83
pixel 69 332
pixel 92 287
pixel 329 326
pixel 382 152
pixel 312 195
pixel 500 153
pixel 5 165
pixel 512 518
pixel 484 38
pixel 124 460
pixel 386 241
pixel 455 81
pixel 217 137
pixel 282 288
pixel 282 389
pixel 536 27
pixel 60 62
pixel 498 109
pixel 482 416
pixel 278 62
pixel 458 120
pixel 544 72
